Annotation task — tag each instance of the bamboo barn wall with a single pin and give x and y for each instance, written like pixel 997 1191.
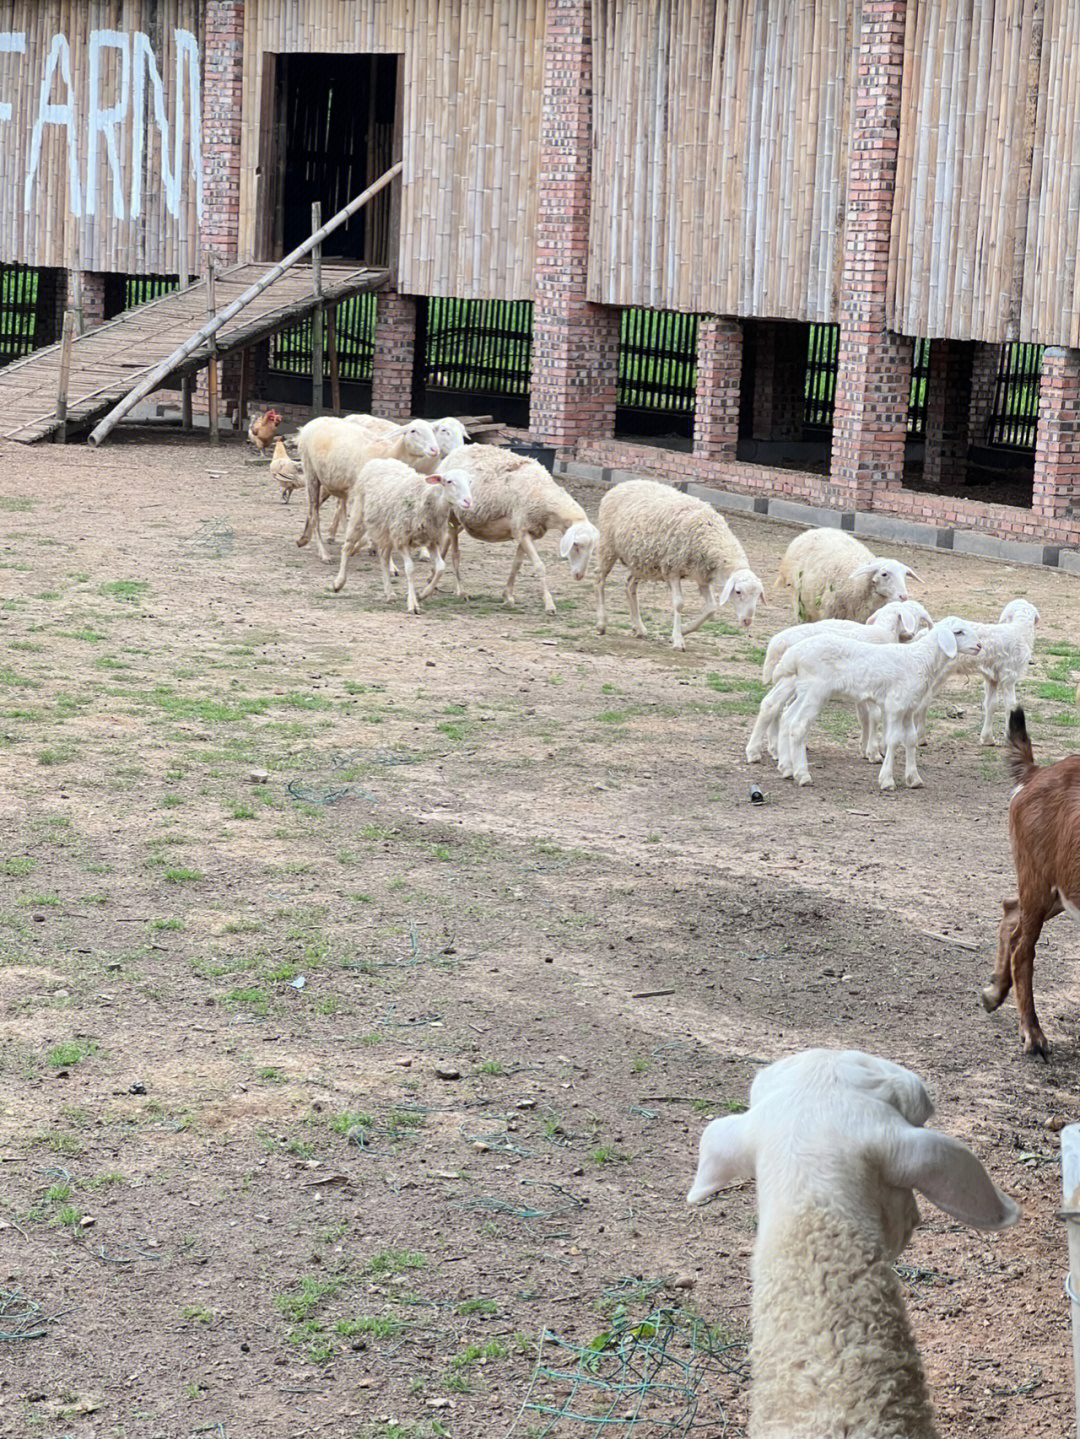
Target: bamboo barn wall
pixel 87 88
pixel 987 211
pixel 472 89
pixel 722 154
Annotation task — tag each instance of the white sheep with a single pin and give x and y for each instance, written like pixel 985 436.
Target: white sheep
pixel 449 434
pixel 658 533
pixel 333 452
pixel 515 498
pixel 833 576
pixel 835 1142
pixel 403 511
pixel 1003 660
pixel 898 679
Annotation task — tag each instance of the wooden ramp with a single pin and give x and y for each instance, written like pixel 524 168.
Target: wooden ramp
pixel 108 362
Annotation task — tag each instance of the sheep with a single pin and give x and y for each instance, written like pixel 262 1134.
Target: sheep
pixel 515 498
pixel 1044 835
pixel 449 434
pixel 833 576
pixel 661 534
pixel 403 510
pixel 1003 661
pixel 333 452
pixel 897 678
pixel 836 1144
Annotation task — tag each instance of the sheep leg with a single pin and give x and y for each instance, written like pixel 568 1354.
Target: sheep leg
pixel 794 727
pixel 990 703
pixel 438 565
pixel 529 546
pixel 515 565
pixel 676 612
pixel 635 609
pixel 767 715
pixel 870 743
pixel 352 538
pixel 384 570
pixel 603 569
pixel 339 515
pixel 412 604
pixel 910 740
pixel 893 737
pixel 708 594
pixel 311 523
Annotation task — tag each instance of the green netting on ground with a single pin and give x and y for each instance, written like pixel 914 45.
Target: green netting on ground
pixel 652 1376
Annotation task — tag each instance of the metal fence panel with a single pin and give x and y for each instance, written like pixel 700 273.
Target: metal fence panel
pixel 27 310
pixel 482 346
pixel 290 350
pixel 658 361
pixel 1015 414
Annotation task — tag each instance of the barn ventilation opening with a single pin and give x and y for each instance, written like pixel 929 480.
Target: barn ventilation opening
pixel 329 133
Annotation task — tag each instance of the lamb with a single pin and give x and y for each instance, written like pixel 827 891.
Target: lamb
pixel 836 1143
pixel 1044 834
pixel 449 434
pixel 833 576
pixel 403 510
pixel 898 620
pixel 897 678
pixel 515 498
pixel 333 452
pixel 661 534
pixel 1003 661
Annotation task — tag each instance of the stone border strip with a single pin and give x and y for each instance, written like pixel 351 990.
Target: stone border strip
pixel 866 526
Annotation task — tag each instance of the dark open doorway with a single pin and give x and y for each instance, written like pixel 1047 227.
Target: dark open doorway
pixel 329 129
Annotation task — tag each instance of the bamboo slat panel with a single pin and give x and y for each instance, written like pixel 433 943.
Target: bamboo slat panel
pixel 723 134
pixel 472 91
pixel 82 154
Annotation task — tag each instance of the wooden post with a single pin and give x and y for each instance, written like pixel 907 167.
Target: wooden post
pixel 331 350
pixel 184 261
pixel 76 299
pixel 186 383
pixel 212 369
pixel 1070 1212
pixel 65 369
pixel 317 316
pixel 242 388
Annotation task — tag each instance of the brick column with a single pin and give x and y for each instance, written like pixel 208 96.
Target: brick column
pixel 780 354
pixel 874 365
pixel 1057 439
pixel 575 344
pixel 985 364
pixel 222 81
pixel 395 354
pixel 719 380
pixel 93 296
pixel 948 412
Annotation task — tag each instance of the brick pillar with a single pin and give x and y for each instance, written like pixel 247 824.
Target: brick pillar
pixel 985 364
pixel 395 354
pixel 1057 439
pixel 222 80
pixel 719 379
pixel 948 412
pixel 780 379
pixel 93 296
pixel 575 344
pixel 874 365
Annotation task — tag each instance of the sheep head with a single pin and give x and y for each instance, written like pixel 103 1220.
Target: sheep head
pixel 577 544
pixel 1022 610
pixel 886 578
pixel 449 434
pixel 419 442
pixel 458 486
pixel 746 592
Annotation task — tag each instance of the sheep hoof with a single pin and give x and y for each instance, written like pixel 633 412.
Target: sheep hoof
pixel 753 756
pixel 804 780
pixel 887 783
pixel 549 605
pixel 915 782
pixel 990 997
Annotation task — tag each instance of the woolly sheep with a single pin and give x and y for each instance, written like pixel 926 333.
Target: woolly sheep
pixel 333 452
pixel 658 533
pixel 898 620
pixel 836 1144
pixel 833 576
pixel 515 498
pixel 1003 661
pixel 402 511
pixel 449 434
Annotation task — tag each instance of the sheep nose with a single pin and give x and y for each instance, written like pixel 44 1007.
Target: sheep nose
pixel 465 503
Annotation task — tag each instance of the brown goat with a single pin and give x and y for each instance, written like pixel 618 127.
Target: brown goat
pixel 1044 831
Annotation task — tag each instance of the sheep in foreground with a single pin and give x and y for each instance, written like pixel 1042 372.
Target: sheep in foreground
pixel 1003 661
pixel 658 533
pixel 836 1144
pixel 515 498
pixel 333 452
pixel 833 576
pixel 1044 835
pixel 402 511
pixel 898 679
pixel 449 434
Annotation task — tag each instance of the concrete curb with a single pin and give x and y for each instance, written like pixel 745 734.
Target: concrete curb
pixel 894 529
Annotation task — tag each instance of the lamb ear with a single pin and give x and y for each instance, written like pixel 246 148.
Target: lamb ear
pixel 950 1176
pixel 947 640
pixel 909 571
pixel 725 593
pixel 910 619
pixel 569 539
pixel 726 1154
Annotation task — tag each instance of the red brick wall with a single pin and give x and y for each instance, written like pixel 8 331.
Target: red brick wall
pixel 93 297
pixel 395 352
pixel 1057 441
pixel 985 364
pixel 575 344
pixel 223 59
pixel 719 376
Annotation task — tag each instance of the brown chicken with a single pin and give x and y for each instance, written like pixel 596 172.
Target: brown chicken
pixel 288 473
pixel 263 429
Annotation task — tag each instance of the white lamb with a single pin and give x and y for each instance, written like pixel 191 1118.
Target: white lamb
pixel 833 576
pixel 449 434
pixel 836 1144
pixel 515 498
pixel 658 533
pixel 1003 660
pixel 333 452
pixel 897 678
pixel 404 511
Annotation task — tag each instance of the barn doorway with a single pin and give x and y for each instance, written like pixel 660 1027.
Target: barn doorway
pixel 330 128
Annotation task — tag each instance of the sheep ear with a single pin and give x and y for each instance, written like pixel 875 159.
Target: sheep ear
pixel 725 593
pixel 566 544
pixel 909 571
pixel 726 1154
pixel 864 571
pixel 910 619
pixel 950 1176
pixel 947 640
pixel 436 479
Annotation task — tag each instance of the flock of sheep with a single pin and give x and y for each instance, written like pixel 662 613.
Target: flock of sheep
pixel 834 1139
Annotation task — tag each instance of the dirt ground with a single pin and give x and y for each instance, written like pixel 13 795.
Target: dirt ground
pixel 323 1098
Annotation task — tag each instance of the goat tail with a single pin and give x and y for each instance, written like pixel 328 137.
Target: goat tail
pixel 1021 755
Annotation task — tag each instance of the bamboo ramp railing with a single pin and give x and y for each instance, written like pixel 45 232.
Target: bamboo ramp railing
pixel 108 362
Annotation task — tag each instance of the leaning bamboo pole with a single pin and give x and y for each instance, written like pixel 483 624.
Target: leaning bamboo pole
pixel 159 372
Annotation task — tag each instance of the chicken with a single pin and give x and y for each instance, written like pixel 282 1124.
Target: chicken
pixel 288 473
pixel 263 429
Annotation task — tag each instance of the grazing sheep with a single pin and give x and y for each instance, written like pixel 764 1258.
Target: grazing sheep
pixel 334 451
pixel 1044 834
pixel 402 511
pixel 836 1144
pixel 833 576
pixel 1003 661
pixel 659 533
pixel 515 498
